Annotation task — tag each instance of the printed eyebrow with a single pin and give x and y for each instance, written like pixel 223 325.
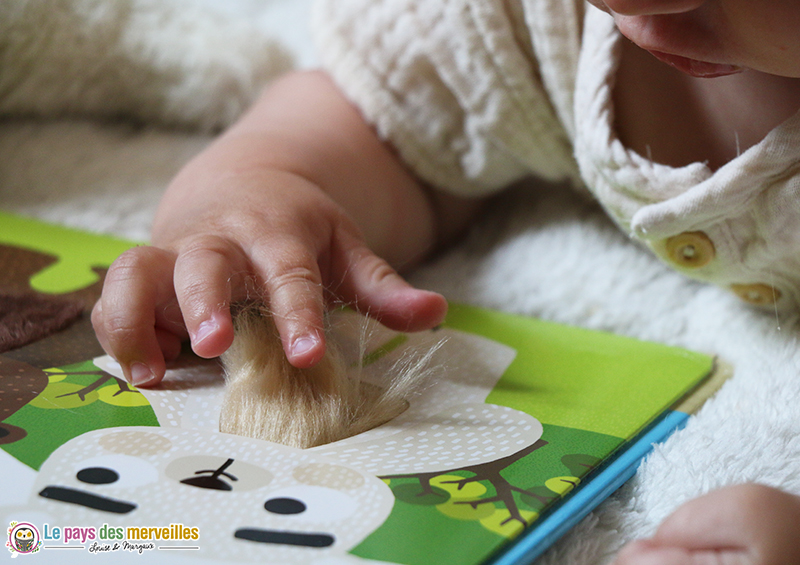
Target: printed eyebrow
pixel 284 538
pixel 83 498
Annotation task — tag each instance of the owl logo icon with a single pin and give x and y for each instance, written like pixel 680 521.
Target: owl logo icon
pixel 23 538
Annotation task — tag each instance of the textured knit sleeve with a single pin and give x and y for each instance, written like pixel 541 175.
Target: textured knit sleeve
pixel 453 85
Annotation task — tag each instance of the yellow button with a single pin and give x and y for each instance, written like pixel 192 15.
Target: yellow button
pixel 758 294
pixel 691 249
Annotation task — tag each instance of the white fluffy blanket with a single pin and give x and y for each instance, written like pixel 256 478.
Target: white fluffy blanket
pixel 102 102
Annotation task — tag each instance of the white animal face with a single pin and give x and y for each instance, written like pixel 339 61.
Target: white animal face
pixel 258 501
pixel 251 500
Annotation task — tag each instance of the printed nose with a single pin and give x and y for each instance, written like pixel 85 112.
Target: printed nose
pixel 652 7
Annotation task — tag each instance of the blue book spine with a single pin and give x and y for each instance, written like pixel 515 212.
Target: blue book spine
pixel 530 545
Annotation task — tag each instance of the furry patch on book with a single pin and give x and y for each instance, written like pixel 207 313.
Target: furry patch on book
pixel 267 398
pixel 30 317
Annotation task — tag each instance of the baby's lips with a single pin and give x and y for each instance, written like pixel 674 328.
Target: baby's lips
pixel 695 68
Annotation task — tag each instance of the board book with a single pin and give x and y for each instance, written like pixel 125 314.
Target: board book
pixel 523 427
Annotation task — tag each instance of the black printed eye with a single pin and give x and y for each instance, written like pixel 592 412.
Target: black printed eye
pixel 97 476
pixel 285 506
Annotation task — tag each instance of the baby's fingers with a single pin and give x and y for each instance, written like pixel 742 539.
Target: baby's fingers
pixel 645 552
pixel 747 524
pixel 293 284
pixel 375 288
pixel 209 273
pixel 137 319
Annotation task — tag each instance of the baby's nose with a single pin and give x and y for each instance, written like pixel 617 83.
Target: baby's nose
pixel 649 7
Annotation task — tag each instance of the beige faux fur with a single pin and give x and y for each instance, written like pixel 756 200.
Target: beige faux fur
pixel 267 398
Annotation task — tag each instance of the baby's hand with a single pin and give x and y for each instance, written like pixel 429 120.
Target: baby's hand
pixel 741 525
pixel 265 215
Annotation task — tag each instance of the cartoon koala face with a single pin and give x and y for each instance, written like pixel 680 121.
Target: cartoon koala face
pixel 251 500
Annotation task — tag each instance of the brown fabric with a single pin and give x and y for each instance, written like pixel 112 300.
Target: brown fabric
pixel 31 317
pixel 37 331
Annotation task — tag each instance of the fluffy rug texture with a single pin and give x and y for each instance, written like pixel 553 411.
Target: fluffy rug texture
pixel 102 102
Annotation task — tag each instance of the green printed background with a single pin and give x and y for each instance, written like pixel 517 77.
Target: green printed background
pixel 592 391
pixel 78 253
pixel 75 397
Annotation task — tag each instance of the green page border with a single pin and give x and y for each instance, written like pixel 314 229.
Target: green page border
pixel 584 379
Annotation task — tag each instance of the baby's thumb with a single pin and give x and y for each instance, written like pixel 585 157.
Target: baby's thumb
pixel 374 288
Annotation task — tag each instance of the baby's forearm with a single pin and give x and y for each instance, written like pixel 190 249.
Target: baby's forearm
pixel 302 124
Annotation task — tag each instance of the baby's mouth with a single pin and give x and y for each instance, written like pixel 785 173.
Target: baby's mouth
pixel 695 68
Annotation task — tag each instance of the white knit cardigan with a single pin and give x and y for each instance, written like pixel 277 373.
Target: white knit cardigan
pixel 476 94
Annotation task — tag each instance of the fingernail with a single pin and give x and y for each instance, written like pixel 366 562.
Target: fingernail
pixel 303 345
pixel 204 330
pixel 140 374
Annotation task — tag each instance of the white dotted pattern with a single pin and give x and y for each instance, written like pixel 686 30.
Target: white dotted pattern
pixel 458 437
pixel 189 397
